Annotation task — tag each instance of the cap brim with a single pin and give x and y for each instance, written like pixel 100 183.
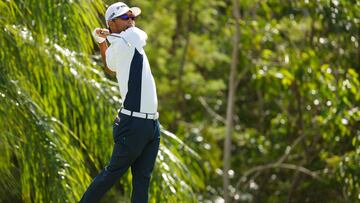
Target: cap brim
pixel 135 10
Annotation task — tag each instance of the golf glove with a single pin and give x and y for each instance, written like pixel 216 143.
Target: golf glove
pixel 97 37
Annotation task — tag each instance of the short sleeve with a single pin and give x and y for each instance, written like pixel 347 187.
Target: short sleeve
pixel 115 55
pixel 136 37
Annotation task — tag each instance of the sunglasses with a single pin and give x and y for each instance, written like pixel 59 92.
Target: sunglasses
pixel 126 17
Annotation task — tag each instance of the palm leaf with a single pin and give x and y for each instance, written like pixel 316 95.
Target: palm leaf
pixel 56 109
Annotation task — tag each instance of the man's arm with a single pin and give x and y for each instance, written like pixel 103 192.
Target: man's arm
pixel 100 37
pixel 103 47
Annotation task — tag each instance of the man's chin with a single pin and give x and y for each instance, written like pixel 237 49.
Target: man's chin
pixel 127 27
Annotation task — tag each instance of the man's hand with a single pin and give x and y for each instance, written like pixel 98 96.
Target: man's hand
pixel 100 34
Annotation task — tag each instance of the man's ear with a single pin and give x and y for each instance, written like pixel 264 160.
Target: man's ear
pixel 111 23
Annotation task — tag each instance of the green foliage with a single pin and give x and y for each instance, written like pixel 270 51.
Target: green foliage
pixel 57 110
pixel 304 92
pixel 296 136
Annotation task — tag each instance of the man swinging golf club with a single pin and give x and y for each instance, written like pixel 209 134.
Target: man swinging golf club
pixel 136 129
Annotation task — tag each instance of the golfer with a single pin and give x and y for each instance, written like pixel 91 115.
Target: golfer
pixel 136 128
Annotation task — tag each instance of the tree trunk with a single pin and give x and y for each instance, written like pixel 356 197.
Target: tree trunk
pixel 231 101
pixel 179 90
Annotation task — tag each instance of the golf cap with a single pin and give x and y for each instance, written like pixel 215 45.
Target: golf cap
pixel 118 9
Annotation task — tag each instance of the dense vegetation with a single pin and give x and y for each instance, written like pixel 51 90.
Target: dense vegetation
pixel 296 136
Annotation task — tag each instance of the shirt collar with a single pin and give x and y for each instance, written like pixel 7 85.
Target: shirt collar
pixel 113 37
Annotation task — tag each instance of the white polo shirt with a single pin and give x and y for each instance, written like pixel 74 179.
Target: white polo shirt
pixel 127 58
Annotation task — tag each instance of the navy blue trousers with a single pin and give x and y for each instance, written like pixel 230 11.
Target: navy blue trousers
pixel 136 145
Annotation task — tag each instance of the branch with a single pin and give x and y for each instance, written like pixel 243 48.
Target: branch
pixel 281 165
pixel 210 111
pixel 241 75
pixel 287 153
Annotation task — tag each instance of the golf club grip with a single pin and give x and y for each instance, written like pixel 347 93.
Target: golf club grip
pixel 105 32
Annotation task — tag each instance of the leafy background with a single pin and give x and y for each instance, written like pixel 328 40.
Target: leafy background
pixel 297 117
